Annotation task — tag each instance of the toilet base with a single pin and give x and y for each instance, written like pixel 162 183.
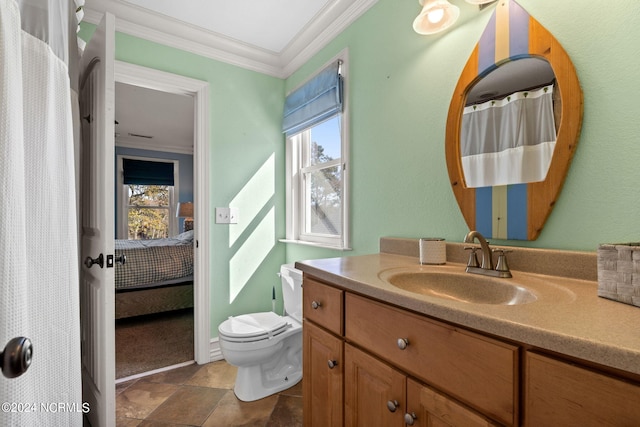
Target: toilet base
pixel 248 389
pixel 259 381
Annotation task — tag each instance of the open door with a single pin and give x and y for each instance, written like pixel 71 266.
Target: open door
pixel 97 100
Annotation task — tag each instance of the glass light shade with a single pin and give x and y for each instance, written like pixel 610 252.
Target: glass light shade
pixel 436 16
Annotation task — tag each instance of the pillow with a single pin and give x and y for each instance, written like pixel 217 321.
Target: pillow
pixel 187 236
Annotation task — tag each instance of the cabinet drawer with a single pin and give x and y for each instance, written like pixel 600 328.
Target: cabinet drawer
pixel 323 305
pixel 559 393
pixel 477 370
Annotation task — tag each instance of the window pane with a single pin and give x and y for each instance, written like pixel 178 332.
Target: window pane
pixel 148 195
pixel 324 202
pixel 148 212
pixel 148 223
pixel 325 141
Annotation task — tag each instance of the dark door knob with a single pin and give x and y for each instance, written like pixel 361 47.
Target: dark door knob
pixel 16 357
pixel 89 262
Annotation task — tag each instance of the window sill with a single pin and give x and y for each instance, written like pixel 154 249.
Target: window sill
pixel 315 244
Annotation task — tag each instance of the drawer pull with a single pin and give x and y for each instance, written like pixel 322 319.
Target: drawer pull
pixel 392 405
pixel 332 364
pixel 315 305
pixel 409 418
pixel 403 343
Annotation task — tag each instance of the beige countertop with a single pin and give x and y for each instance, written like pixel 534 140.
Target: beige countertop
pixel 567 317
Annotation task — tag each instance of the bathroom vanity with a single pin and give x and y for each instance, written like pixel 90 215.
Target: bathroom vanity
pixel 377 354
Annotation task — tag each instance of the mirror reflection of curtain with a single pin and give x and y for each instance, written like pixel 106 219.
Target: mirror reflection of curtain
pixel 508 141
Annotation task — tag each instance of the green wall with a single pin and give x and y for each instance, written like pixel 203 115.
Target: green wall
pixel 400 86
pixel 247 171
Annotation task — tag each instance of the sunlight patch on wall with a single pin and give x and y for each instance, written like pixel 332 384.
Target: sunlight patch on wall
pixel 253 197
pixel 250 255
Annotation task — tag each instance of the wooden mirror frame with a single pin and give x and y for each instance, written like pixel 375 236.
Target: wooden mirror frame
pixel 539 197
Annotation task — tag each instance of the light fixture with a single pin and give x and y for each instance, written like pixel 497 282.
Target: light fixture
pixel 185 210
pixel 436 16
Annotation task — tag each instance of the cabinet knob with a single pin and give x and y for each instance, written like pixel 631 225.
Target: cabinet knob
pixel 315 305
pixel 403 343
pixel 392 405
pixel 409 418
pixel 332 364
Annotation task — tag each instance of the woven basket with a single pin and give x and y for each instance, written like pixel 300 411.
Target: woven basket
pixel 619 272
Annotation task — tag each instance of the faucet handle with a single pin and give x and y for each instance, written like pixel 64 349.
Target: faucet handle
pixel 501 264
pixel 473 257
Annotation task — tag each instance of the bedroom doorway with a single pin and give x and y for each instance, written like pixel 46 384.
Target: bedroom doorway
pixel 170 328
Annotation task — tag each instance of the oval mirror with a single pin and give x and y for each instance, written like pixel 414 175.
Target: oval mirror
pixel 513 126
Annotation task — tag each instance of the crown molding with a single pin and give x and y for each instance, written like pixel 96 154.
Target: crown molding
pixel 154 145
pixel 138 22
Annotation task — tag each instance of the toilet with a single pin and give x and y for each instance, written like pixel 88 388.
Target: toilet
pixel 266 347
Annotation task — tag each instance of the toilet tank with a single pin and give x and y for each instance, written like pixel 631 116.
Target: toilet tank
pixel 291 279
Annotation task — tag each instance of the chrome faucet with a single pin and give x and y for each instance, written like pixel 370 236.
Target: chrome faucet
pixel 486 267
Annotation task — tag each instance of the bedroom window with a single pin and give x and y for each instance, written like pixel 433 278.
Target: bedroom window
pixel 147 198
pixel 315 128
pixel 148 211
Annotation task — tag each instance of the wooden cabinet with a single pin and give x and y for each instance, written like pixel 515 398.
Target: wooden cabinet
pixel 322 377
pixel 564 394
pixel 355 372
pixel 367 363
pixel 477 370
pixel 375 393
pixel 428 408
pixel 378 395
pixel 323 305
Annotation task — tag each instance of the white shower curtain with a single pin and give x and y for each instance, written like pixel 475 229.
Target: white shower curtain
pixel 38 224
pixel 508 141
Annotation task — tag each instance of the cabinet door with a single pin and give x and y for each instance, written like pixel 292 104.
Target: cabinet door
pixel 559 393
pixel 428 408
pixel 375 393
pixel 322 377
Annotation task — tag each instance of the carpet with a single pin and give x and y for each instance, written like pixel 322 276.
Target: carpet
pixel 145 343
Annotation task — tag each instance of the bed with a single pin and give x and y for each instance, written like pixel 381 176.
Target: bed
pixel 157 275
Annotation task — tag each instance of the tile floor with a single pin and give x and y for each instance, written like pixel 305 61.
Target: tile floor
pixel 202 395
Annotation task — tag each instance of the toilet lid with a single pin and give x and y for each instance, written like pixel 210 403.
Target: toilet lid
pixel 252 325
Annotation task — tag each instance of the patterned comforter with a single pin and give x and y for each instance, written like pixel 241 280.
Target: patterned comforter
pixel 153 262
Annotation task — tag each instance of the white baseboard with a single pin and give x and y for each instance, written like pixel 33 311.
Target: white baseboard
pixel 214 350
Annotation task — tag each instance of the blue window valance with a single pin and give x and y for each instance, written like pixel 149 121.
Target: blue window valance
pixel 315 101
pixel 144 172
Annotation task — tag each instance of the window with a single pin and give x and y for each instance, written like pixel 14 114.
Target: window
pixel 146 194
pixel 317 204
pixel 148 211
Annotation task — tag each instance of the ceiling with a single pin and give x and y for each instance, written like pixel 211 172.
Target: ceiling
pixel 153 120
pixel 274 37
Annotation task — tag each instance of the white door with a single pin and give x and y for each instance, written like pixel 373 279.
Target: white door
pixel 97 99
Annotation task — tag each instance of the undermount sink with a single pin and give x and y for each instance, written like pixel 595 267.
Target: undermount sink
pixel 459 286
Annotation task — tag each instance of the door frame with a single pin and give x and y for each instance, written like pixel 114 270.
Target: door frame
pixel 172 83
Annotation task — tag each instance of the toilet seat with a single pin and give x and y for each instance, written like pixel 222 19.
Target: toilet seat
pixel 253 327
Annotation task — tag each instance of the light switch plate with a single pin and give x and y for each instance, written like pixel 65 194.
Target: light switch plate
pixel 227 215
pixel 223 216
pixel 234 215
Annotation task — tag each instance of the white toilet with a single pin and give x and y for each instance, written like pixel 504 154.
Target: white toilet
pixel 266 347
